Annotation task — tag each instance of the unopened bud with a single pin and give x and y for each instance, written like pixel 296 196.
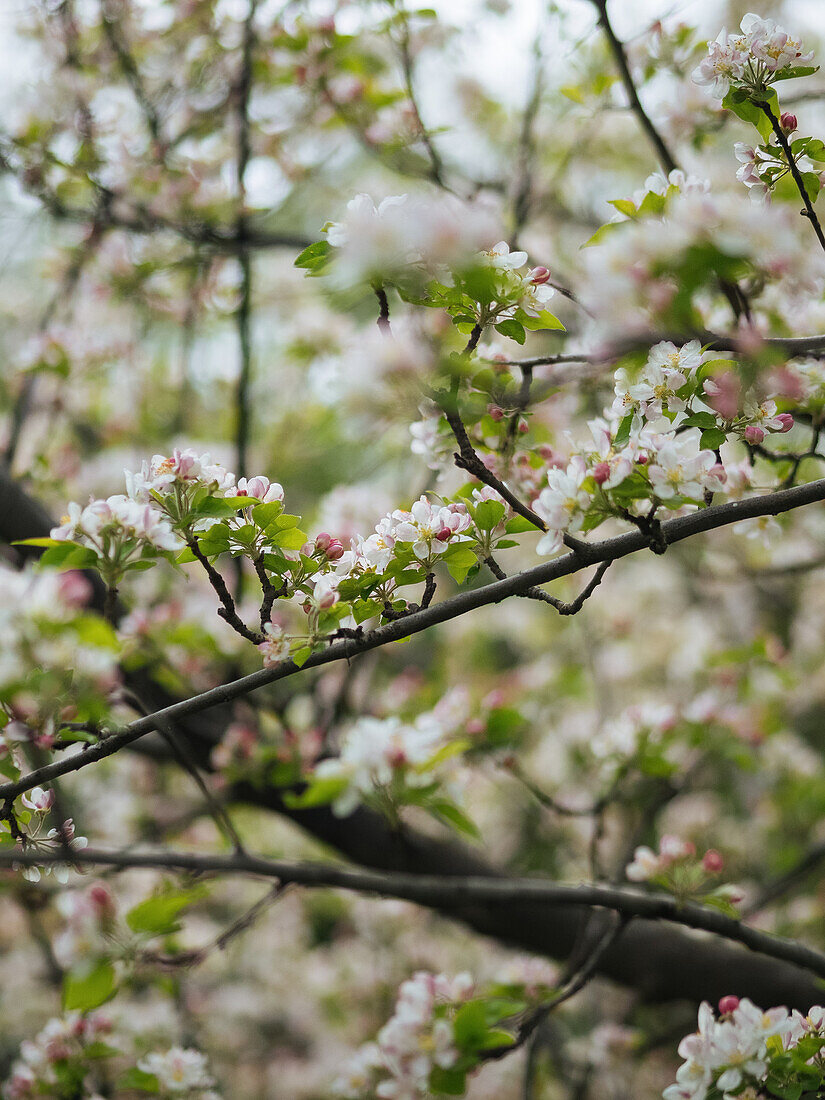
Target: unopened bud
pixel 539 275
pixel 523 426
pixel 495 413
pixel 335 550
pixel 753 434
pixel 322 540
pixel 712 862
pixel 728 1004
pixel 788 122
pixel 444 535
pixel 787 421
pixel 601 472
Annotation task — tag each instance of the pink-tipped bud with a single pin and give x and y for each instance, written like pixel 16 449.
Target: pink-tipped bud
pixel 308 549
pixel 788 122
pixel 475 727
pixel 523 426
pixel 444 535
pixel 539 275
pixel 322 541
pixel 753 434
pixel 601 472
pixel 103 902
pixel 787 421
pixel 335 550
pixel 728 1004
pixel 643 460
pixel 495 413
pixel 719 472
pixel 712 862
pixel 396 757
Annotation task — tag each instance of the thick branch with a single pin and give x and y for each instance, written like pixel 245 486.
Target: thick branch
pixel 437 892
pixel 608 550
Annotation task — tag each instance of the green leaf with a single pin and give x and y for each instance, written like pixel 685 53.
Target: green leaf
pixel 315 257
pixel 600 234
pixel 319 792
pixel 37 542
pixel 749 112
pixel 489 514
pixel 448 1082
pixel 302 655
pixel 470 1025
pixel 794 72
pixel 85 991
pixel 713 438
pixel 700 420
pixel 291 538
pixel 459 560
pixel 69 555
pixel 264 514
pixel 624 206
pixel 158 915
pixel 449 813
pixel 135 1078
pixel 545 320
pixel 517 525
pixel 623 433
pixel 512 328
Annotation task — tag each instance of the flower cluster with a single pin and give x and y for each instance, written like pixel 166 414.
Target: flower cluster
pixel 59 662
pixel 752 59
pixel 72 1055
pixel 31 821
pixel 391 763
pixel 56 1056
pixel 734 1054
pixel 180 1072
pixel 676 867
pixel 418 1037
pixel 402 236
pixel 116 529
pixel 185 469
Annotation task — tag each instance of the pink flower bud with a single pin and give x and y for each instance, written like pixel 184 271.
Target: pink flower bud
pixel 788 122
pixel 523 426
pixel 475 727
pixel 322 540
pixel 728 1004
pixel 719 472
pixel 643 460
pixel 74 589
pixel 495 412
pixel 444 535
pixel 753 434
pixel 787 421
pixel 539 275
pixel 103 903
pixel 396 757
pixel 712 862
pixel 723 392
pixel 601 472
pixel 335 550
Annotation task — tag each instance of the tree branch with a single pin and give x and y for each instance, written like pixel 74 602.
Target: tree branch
pixel 606 551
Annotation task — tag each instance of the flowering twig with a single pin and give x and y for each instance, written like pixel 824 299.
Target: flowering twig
pixel 608 550
pixel 227 611
pixel 467 459
pixel 782 138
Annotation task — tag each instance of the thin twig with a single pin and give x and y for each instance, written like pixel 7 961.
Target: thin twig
pixel 808 211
